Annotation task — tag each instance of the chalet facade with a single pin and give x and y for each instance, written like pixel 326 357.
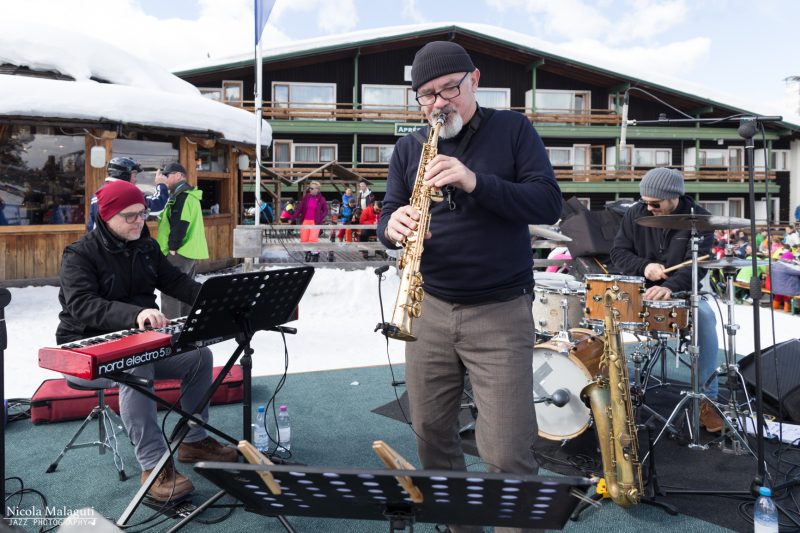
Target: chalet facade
pixel 337 106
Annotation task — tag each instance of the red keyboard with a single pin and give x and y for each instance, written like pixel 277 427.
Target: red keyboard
pixel 97 357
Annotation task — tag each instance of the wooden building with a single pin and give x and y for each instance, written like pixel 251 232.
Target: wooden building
pixel 347 98
pixel 60 123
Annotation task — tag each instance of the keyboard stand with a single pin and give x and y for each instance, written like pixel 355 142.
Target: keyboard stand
pixel 234 306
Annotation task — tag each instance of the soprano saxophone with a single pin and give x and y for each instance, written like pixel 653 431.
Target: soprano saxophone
pixel 610 402
pixel 408 305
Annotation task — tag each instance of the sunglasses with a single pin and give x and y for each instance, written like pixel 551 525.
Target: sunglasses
pixel 654 204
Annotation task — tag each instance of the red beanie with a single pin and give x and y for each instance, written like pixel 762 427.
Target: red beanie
pixel 115 196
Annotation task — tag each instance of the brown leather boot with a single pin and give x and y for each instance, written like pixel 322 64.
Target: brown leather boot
pixel 169 485
pixel 709 417
pixel 206 450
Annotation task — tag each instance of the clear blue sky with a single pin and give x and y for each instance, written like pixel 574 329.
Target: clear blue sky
pixel 740 48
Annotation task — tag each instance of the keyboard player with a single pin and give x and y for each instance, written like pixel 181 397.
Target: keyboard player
pixel 108 282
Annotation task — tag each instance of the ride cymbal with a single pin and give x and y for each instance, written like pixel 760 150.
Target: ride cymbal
pixel 729 262
pixel 698 222
pixel 547 232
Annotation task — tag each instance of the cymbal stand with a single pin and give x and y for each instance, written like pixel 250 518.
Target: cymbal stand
pixel 647 355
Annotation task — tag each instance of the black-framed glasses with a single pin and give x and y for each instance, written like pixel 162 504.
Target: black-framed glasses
pixel 130 218
pixel 655 204
pixel 448 93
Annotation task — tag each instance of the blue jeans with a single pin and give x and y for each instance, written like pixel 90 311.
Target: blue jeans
pixel 708 345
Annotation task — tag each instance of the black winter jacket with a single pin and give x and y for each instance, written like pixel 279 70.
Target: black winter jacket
pixel 106 283
pixel 636 246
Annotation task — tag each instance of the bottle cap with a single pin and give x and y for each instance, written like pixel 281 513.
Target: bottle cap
pixel 765 491
pixel 284 408
pixel 261 408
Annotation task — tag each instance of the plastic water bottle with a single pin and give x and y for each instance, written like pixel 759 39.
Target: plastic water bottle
pixel 260 433
pixel 765 514
pixel 284 429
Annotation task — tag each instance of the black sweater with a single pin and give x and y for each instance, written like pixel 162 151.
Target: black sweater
pixel 636 246
pixel 481 250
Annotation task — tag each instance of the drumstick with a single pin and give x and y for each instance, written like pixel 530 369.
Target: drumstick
pixel 689 262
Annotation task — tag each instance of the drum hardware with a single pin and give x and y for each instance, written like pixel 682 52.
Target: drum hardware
pixel 557 307
pixel 567 366
pixel 730 441
pixel 695 223
pixel 628 305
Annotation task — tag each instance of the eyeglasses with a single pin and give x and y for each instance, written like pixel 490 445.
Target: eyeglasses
pixel 448 93
pixel 654 204
pixel 130 218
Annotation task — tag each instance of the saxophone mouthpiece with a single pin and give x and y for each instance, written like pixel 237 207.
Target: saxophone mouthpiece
pixel 441 118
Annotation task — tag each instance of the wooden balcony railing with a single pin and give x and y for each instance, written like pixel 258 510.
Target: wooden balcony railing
pixel 593 174
pixel 346 112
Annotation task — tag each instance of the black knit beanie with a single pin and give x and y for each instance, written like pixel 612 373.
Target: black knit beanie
pixel 438 58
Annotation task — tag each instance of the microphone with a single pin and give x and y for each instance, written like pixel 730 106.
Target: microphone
pixel 560 397
pixel 380 270
pixel 624 129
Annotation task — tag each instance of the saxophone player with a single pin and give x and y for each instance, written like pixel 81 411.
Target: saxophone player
pixel 496 179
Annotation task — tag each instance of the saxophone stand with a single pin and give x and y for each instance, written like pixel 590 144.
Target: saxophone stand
pixel 651 488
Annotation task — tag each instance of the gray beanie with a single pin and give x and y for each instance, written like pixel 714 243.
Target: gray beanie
pixel 438 58
pixel 662 183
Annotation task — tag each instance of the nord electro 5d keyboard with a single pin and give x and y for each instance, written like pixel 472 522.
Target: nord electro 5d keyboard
pixel 97 357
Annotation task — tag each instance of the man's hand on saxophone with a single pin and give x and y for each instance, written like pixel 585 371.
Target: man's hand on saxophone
pixel 403 223
pixel 445 170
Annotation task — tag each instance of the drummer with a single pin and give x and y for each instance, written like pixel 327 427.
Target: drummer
pixel 648 251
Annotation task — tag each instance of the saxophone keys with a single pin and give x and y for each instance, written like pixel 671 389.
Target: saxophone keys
pixel 415 310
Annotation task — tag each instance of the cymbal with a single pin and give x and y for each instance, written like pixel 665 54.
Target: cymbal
pixel 548 233
pixel 729 262
pixel 699 222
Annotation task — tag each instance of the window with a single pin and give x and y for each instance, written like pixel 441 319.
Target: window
pixel 376 153
pixel 552 101
pixel 314 153
pixel 713 158
pixel 212 93
pixel 282 154
pixel 304 95
pixel 233 92
pixel 495 98
pixel 780 160
pixel 715 207
pixel 652 157
pixel 388 97
pixel 736 207
pixel 560 156
pixel 41 175
pixel 151 153
pixel 212 159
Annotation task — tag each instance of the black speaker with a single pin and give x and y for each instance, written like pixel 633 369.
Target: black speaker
pixel 780 376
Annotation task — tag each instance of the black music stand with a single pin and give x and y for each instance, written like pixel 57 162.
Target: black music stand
pixel 473 498
pixel 227 307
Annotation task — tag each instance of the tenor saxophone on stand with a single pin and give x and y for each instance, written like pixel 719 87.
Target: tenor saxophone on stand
pixel 610 401
pixel 408 305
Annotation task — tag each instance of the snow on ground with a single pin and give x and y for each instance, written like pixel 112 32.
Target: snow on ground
pixel 338 315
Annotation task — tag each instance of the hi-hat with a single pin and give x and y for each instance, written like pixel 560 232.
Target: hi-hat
pixel 548 233
pixel 698 222
pixel 729 262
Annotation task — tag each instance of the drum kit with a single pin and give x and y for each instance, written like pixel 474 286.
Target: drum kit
pixel 568 318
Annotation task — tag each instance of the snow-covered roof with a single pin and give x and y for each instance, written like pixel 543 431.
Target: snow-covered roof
pixel 496 33
pixel 138 91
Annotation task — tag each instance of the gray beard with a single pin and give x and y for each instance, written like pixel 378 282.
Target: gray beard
pixel 452 125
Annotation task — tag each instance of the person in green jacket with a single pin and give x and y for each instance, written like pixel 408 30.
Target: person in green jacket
pixel 181 233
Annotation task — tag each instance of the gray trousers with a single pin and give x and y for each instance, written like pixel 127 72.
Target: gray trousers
pixel 139 412
pixel 172 307
pixel 494 342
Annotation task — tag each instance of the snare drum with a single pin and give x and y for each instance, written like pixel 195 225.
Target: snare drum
pixel 563 365
pixel 668 316
pixel 552 302
pixel 627 304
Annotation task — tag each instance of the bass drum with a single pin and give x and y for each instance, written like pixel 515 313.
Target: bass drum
pixel 558 364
